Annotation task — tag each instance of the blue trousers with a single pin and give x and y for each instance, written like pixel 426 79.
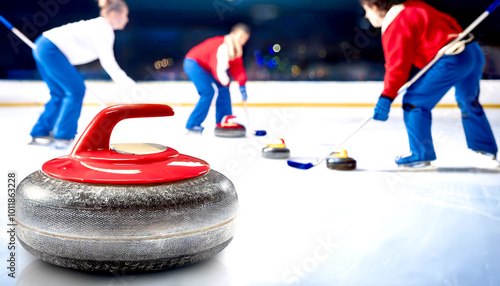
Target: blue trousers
pixel 67 90
pixel 203 82
pixel 462 71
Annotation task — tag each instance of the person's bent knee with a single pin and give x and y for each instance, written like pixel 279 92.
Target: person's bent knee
pixel 412 109
pixel 472 107
pixel 76 92
pixel 207 92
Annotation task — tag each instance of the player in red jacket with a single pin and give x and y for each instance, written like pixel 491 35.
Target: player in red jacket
pixel 412 34
pixel 209 63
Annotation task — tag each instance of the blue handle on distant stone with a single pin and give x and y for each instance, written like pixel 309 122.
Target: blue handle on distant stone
pixel 9 25
pixel 493 6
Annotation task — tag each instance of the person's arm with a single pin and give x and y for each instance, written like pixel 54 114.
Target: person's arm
pixel 399 43
pixel 222 65
pixel 238 72
pixel 399 49
pixel 104 46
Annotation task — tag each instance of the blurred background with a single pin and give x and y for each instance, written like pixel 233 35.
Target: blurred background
pixel 306 40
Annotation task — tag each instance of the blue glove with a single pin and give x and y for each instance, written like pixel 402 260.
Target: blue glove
pixel 243 91
pixel 382 109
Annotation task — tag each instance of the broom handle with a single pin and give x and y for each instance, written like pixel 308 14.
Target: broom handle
pixel 17 32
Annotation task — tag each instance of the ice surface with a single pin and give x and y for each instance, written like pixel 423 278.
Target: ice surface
pixel 372 226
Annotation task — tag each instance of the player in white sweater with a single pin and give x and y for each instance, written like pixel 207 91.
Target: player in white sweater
pixel 57 53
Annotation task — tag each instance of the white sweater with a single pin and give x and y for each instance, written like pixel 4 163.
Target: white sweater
pixel 85 41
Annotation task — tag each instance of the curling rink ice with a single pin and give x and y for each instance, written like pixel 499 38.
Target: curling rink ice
pixel 371 226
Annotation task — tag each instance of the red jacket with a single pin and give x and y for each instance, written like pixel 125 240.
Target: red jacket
pixel 413 34
pixel 205 54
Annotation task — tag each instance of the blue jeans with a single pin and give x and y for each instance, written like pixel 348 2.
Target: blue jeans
pixel 203 81
pixel 462 71
pixel 67 90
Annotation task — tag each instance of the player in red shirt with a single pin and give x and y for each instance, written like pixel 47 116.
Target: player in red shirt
pixel 209 63
pixel 412 34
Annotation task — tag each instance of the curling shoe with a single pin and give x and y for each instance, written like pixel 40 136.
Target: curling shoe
pixel 413 163
pixel 41 140
pixel 62 144
pixel 197 130
pixel 483 160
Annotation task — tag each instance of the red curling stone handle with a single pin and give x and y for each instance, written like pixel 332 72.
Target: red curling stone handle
pixel 93 161
pixel 97 135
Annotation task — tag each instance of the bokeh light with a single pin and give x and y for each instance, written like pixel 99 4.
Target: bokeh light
pixel 271 51
pixel 322 53
pixel 283 63
pixel 164 63
pixel 276 48
pixel 296 71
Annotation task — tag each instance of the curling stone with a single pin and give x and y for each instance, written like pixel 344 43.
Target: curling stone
pixel 339 160
pixel 228 128
pixel 125 207
pixel 276 150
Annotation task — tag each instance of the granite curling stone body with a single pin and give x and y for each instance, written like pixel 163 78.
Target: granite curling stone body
pixel 229 129
pixel 339 160
pixel 126 207
pixel 276 150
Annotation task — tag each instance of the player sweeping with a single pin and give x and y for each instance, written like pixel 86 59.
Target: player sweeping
pixel 208 64
pixel 57 53
pixel 412 34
